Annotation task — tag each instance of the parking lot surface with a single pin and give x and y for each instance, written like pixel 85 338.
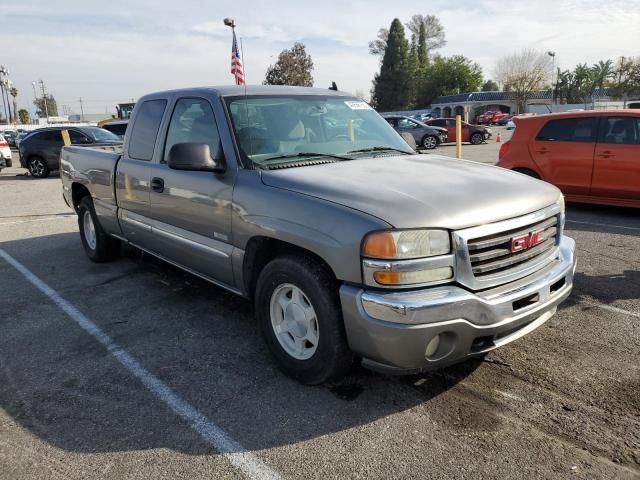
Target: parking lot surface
pixel 562 402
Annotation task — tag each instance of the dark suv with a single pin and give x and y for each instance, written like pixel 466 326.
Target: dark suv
pixel 40 151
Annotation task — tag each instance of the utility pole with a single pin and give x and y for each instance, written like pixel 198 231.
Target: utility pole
pixel 35 98
pixel 4 71
pixel 81 111
pixel 44 99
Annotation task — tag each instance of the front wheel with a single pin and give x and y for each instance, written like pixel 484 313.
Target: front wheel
pixel 429 142
pixel 299 312
pixel 38 167
pixel 98 246
pixel 477 139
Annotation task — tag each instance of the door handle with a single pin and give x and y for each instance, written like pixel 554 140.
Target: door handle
pixel 542 151
pixel 606 154
pixel 157 184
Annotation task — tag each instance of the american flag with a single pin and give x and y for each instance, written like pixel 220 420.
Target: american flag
pixel 236 63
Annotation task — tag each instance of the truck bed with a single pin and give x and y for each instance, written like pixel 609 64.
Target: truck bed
pixel 93 167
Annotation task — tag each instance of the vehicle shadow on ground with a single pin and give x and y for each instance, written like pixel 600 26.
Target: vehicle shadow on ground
pixel 604 288
pixel 7 176
pixel 603 219
pixel 64 387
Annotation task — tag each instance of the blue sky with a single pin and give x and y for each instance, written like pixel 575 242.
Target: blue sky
pixel 109 52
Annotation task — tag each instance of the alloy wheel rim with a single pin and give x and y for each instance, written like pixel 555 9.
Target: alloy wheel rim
pixel 37 167
pixel 429 142
pixel 89 230
pixel 294 321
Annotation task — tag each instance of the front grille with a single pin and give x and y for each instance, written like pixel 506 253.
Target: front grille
pixel 491 254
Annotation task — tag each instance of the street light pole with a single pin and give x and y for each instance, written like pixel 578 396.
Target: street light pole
pixel 553 67
pixel 35 100
pixel 3 71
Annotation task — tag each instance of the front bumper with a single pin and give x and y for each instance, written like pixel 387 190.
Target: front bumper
pixel 391 330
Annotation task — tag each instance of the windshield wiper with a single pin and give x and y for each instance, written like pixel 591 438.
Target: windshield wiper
pixel 378 149
pixel 304 155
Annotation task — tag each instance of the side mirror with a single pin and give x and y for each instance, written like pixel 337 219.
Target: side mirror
pixel 407 137
pixel 196 157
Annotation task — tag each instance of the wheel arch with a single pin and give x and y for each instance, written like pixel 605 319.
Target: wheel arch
pixel 78 192
pixel 260 250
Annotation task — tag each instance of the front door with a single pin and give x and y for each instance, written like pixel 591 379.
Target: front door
pixel 616 169
pixel 191 210
pixel 563 150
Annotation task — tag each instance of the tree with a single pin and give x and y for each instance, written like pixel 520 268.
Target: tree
pixel 13 91
pixel 24 117
pixel 448 76
pixel 523 73
pixel 292 68
pixel 490 86
pixel 430 34
pixel 626 78
pixel 392 86
pixel 379 45
pixel 52 106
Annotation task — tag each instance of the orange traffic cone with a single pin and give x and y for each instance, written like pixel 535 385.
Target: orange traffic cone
pixel 498 139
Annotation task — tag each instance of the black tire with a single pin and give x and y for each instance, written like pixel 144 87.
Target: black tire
pixel 429 142
pixel 332 358
pixel 477 138
pixel 105 248
pixel 526 171
pixel 38 167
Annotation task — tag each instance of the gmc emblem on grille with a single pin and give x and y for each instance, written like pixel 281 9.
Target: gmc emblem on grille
pixel 527 240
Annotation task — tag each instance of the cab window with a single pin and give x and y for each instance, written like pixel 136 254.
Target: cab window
pixel 192 121
pixel 77 138
pixel 145 129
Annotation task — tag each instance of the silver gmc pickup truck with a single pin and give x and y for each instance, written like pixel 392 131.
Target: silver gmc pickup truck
pixel 350 244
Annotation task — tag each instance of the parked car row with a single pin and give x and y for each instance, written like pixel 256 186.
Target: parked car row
pixel 592 156
pixel 5 153
pixel 40 150
pixel 425 136
pixel 474 134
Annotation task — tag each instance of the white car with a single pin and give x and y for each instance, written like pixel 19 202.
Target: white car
pixel 510 125
pixel 5 153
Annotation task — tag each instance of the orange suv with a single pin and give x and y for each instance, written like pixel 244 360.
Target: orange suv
pixel 592 156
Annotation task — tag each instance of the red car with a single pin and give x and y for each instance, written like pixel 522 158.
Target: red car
pixel 474 134
pixel 591 156
pixel 491 117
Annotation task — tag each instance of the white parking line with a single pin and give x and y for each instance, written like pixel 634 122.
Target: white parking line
pixel 610 308
pixel 248 463
pixel 605 225
pixel 48 219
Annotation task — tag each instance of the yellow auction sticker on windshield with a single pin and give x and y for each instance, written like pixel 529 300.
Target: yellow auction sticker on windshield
pixel 354 105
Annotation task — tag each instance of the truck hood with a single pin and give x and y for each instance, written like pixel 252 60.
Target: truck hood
pixel 412 191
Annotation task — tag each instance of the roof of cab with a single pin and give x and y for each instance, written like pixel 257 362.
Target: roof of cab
pixel 237 90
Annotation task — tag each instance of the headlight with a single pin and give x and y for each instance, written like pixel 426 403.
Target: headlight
pixel 407 258
pixel 402 244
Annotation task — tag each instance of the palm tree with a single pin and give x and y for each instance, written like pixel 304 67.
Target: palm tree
pixel 13 91
pixel 601 72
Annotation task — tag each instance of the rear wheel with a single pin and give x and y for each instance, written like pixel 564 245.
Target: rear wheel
pixel 477 138
pixel 299 312
pixel 38 167
pixel 429 142
pixel 98 246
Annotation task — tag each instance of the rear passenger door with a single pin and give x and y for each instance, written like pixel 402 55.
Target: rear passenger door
pixel 133 173
pixel 563 151
pixel 616 170
pixel 50 143
pixel 191 210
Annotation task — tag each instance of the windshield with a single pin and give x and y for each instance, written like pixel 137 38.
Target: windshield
pixel 101 135
pixel 294 127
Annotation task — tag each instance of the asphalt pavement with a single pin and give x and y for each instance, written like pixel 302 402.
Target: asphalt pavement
pixel 134 369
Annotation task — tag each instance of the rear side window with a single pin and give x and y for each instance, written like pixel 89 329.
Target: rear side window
pixel 438 123
pixel 49 136
pixel 581 129
pixel 145 129
pixel 620 130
